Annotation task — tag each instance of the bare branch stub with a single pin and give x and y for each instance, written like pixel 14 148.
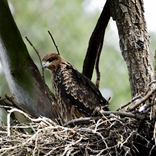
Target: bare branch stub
pixel 54 42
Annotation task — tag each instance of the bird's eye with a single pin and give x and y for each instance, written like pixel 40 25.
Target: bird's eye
pixel 51 59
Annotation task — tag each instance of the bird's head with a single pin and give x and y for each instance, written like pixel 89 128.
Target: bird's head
pixel 51 61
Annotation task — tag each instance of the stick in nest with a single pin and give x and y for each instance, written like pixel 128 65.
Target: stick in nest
pixel 128 103
pixel 105 113
pixel 43 119
pixel 142 100
pixel 49 97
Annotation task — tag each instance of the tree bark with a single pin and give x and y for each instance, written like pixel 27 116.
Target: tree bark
pixel 134 42
pixel 22 75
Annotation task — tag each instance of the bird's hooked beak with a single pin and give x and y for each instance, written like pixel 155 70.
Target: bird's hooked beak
pixel 44 65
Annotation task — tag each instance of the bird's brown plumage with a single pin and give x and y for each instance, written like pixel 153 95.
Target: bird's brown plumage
pixel 76 95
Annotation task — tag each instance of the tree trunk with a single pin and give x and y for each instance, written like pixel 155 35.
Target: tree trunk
pixel 22 75
pixel 134 42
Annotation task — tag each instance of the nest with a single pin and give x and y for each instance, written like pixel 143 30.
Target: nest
pixel 113 133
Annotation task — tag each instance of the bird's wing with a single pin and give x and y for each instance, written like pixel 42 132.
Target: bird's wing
pixel 79 91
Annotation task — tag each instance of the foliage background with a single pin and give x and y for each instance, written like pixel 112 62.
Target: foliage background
pixel 71 23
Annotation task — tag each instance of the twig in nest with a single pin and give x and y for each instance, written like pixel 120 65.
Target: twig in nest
pixel 45 120
pixel 149 85
pixel 94 132
pixel 154 81
pixel 6 107
pixel 12 100
pixel 54 42
pixel 27 140
pixel 36 139
pixel 149 105
pixel 142 100
pixel 4 103
pixel 105 113
pixel 46 90
pixel 67 148
pixel 123 114
pixel 80 121
pixel 128 103
pixel 154 133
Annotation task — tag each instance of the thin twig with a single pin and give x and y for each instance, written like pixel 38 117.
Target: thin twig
pixel 109 148
pixel 80 121
pixel 151 150
pixel 35 145
pixel 45 87
pixel 52 151
pixel 7 107
pixel 142 100
pixel 28 140
pixel 128 103
pixel 54 42
pixel 35 51
pixel 44 119
pixel 149 85
pixel 99 122
pixel 123 114
pixel 154 81
pixel 71 144
pixel 105 113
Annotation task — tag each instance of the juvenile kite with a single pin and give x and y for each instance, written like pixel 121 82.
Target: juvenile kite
pixel 76 95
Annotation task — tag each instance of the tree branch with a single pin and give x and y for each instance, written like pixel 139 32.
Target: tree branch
pixel 96 41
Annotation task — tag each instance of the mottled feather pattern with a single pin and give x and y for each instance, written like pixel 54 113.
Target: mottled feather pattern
pixel 76 95
pixel 75 90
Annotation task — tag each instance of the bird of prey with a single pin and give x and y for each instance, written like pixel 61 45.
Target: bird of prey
pixel 76 95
